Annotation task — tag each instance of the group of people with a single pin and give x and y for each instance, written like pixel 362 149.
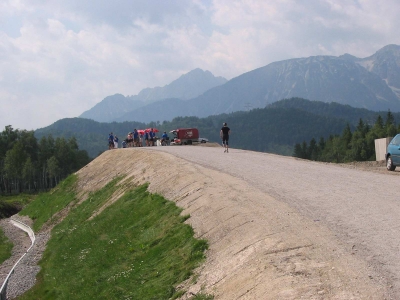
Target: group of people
pixel 135 139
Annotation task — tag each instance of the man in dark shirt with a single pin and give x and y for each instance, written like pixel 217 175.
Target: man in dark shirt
pixel 224 134
pixel 146 138
pixel 151 137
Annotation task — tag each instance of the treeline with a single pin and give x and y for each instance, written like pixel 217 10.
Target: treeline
pixel 28 165
pixel 358 145
pixel 275 129
pixel 269 129
pixel 91 136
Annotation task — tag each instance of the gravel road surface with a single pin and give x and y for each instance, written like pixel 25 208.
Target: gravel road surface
pixel 362 208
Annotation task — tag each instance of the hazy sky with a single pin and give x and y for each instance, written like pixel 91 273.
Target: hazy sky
pixel 59 58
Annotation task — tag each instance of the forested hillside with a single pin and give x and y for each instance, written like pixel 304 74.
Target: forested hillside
pixel 333 109
pixel 27 165
pixel 358 145
pixel 90 135
pixel 275 128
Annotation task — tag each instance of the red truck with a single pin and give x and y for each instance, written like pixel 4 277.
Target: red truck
pixel 185 136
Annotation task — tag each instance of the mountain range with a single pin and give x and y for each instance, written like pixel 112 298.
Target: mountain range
pixel 372 83
pixel 118 107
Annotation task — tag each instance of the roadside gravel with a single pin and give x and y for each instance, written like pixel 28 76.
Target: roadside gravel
pixel 24 276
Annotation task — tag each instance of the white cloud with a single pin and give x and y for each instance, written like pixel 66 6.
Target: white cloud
pixel 59 58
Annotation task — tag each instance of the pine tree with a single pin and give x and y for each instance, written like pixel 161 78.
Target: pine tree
pixel 390 125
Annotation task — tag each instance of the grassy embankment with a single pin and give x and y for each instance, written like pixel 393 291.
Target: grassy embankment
pixel 9 205
pixel 137 248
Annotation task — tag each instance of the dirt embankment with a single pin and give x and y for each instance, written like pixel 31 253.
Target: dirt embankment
pixel 260 248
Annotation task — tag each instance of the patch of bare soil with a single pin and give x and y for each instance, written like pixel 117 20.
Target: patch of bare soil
pixel 372 166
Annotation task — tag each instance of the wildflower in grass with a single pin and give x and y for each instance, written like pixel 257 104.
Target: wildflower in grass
pixel 84 252
pixel 72 229
pixel 124 274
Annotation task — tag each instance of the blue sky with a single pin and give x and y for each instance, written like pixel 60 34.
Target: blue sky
pixel 60 58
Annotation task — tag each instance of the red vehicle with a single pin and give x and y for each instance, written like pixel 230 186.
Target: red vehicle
pixel 185 136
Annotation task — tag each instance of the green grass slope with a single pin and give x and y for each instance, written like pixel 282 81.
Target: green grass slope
pixel 5 247
pixel 136 248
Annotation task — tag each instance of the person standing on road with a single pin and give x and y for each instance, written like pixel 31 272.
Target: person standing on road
pixel 146 138
pixel 224 134
pixel 110 141
pixel 140 139
pixel 129 139
pixel 151 137
pixel 135 138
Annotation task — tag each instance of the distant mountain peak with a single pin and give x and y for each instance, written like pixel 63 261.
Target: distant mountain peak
pixel 197 71
pixel 349 57
pixel 389 48
pixel 187 86
pixel 198 74
pixel 386 64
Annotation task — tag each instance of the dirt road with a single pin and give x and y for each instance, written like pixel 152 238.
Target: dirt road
pixel 361 209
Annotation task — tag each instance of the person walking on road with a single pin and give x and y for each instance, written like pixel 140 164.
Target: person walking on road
pixel 224 134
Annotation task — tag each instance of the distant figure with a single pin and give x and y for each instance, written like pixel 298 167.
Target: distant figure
pixel 130 139
pixel 151 137
pixel 123 144
pixel 224 134
pixel 111 141
pixel 135 138
pixel 116 142
pixel 146 138
pixel 140 140
pixel 164 139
